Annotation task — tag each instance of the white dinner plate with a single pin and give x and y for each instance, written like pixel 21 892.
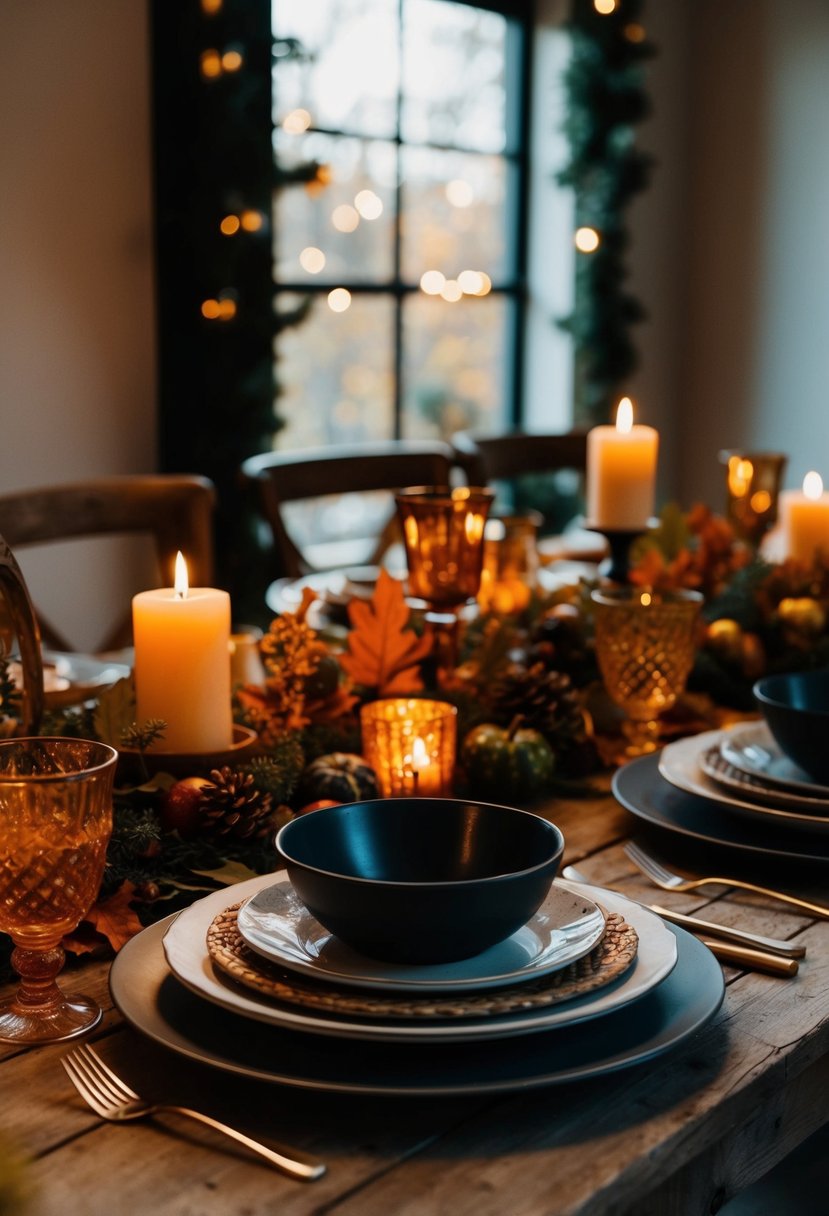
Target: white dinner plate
pixel 679 763
pixel 156 1005
pixel 186 953
pixel 276 925
pixel 714 764
pixel 751 747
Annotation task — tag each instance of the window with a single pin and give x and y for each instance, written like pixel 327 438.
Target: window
pixel 407 247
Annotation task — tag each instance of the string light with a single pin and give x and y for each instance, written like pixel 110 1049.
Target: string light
pixel 587 240
pixel 345 218
pixel 221 309
pixel 339 299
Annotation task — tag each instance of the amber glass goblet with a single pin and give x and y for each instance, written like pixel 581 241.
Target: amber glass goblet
pixel 55 824
pixel 645 644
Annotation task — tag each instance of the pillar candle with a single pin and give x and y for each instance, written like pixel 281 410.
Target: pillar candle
pixel 804 520
pixel 621 472
pixel 182 665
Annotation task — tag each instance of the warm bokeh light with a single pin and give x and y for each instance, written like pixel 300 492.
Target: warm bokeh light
pixel 432 282
pixel 339 299
pixel 605 7
pixel 210 64
pixel 470 282
pixel 812 486
pixel 459 192
pixel 587 240
pixel 369 205
pixel 230 225
pixel 251 221
pixel 312 259
pixel 345 218
pixel 486 284
pixel 624 416
pixel 740 473
pixel 634 32
pixel 211 7
pixel 296 122
pixel 227 309
pixel 760 502
pixel 210 309
pixel 232 61
pixel 452 291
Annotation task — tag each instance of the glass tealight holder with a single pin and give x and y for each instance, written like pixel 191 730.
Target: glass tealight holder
pixel 753 482
pixel 410 743
pixel 510 567
pixel 645 646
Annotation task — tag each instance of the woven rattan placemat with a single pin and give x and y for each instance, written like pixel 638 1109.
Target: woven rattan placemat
pixel 605 962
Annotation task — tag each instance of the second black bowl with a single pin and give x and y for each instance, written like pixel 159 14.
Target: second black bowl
pixel 421 880
pixel 796 709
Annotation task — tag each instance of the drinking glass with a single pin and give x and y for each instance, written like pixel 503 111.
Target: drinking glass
pixel 55 824
pixel 645 644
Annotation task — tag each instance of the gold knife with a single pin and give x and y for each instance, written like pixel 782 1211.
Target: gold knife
pixel 754 941
pixel 757 960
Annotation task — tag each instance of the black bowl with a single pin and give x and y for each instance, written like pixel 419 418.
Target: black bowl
pixel 420 880
pixel 796 708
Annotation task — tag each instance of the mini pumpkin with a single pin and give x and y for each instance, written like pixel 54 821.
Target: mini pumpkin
pixel 508 764
pixel 340 776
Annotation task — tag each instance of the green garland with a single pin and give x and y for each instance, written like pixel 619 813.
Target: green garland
pixel 606 97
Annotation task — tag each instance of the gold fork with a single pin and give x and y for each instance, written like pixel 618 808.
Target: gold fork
pixel 112 1099
pixel 661 877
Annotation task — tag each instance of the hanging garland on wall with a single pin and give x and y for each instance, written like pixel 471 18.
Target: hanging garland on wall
pixel 606 97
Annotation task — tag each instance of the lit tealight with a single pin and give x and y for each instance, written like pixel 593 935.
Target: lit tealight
pixel 339 299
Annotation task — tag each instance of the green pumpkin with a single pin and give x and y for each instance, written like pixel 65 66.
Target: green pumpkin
pixel 340 776
pixel 507 764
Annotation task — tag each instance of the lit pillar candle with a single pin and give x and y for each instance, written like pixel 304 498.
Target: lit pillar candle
pixel 804 520
pixel 621 472
pixel 182 664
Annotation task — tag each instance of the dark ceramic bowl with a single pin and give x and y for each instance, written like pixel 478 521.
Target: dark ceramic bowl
pixel 420 880
pixel 796 708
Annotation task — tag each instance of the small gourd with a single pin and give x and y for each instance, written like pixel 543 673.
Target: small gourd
pixel 340 776
pixel 507 764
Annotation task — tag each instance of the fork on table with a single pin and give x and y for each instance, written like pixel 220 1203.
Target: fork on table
pixel 668 881
pixel 112 1099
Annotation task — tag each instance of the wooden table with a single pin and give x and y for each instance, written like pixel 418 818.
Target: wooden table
pixel 680 1135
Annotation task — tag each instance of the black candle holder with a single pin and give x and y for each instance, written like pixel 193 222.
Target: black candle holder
pixel 616 567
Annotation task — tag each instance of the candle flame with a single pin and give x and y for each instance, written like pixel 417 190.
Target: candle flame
pixel 181 581
pixel 812 486
pixel 420 756
pixel 624 416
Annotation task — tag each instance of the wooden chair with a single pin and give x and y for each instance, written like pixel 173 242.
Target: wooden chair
pixel 281 478
pixel 485 459
pixel 528 471
pixel 176 510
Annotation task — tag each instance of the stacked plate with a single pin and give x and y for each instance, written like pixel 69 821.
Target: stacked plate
pixel 247 981
pixel 733 787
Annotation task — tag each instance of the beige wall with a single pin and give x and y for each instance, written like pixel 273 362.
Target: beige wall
pixel 77 374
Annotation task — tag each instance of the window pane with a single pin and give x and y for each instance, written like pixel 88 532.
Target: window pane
pixel 335 372
pixel 348 79
pixel 343 230
pixel 454 365
pixel 454 210
pixel 453 76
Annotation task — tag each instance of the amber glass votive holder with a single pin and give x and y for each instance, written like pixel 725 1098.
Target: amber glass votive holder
pixel 510 567
pixel 645 646
pixel 753 482
pixel 410 743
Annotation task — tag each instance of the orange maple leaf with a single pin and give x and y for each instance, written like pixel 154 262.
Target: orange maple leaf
pixel 383 652
pixel 111 920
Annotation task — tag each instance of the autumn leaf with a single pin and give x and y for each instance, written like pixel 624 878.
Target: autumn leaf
pixel 111 920
pixel 383 652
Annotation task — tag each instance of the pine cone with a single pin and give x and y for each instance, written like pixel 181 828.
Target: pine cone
pixel 231 805
pixel 545 701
